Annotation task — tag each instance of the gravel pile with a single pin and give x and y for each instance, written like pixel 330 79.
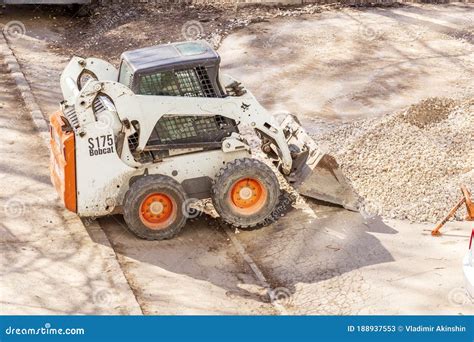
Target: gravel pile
pixel 410 165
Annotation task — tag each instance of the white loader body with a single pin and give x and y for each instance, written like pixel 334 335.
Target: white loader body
pixel 105 166
pixel 165 128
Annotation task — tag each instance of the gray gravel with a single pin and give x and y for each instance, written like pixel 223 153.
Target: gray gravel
pixel 409 165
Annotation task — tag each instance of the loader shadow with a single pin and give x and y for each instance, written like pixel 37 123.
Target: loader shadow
pixel 299 248
pixel 303 249
pixel 202 253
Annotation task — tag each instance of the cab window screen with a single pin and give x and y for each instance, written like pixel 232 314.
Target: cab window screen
pixel 189 82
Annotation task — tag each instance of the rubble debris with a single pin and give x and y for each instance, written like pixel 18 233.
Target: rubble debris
pixel 409 165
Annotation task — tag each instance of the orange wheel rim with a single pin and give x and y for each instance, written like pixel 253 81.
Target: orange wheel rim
pixel 157 211
pixel 248 196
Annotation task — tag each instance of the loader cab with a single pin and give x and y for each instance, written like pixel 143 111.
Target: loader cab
pixel 179 69
pixel 188 69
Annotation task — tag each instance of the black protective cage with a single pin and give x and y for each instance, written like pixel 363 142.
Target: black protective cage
pixel 168 71
pixel 181 130
pixel 177 62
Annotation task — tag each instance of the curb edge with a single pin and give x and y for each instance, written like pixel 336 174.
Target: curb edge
pixel 42 126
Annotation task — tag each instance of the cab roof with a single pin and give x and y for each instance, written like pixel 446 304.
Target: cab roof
pixel 168 56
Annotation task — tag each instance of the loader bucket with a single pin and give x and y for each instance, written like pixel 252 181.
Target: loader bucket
pixel 327 183
pixel 317 174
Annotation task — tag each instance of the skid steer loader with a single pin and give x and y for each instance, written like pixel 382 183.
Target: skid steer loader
pixel 163 129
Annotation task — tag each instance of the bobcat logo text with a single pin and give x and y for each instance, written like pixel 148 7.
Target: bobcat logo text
pixel 103 144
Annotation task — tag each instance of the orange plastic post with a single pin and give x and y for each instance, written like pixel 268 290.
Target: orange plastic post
pixel 469 207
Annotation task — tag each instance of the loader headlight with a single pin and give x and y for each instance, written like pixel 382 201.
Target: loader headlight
pixel 85 77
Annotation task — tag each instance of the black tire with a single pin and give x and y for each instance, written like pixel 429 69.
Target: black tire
pixel 154 189
pixel 243 171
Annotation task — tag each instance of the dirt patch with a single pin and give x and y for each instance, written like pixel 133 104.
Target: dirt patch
pixel 429 112
pixel 112 29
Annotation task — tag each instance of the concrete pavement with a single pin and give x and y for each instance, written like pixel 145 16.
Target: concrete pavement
pixel 49 263
pixel 330 262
